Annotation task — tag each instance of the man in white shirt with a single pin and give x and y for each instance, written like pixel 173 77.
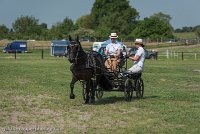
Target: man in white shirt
pixel 113 51
pixel 139 58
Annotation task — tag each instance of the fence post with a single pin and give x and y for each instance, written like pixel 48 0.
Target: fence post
pixel 182 55
pixel 42 53
pixel 15 53
pixel 156 55
pixel 167 54
pixel 195 56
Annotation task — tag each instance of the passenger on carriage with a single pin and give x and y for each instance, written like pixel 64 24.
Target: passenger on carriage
pixel 139 58
pixel 113 51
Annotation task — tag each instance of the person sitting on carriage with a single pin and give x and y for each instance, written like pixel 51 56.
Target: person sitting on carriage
pixel 139 58
pixel 113 51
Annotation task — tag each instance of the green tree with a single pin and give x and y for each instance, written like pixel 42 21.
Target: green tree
pixel 84 22
pixel 55 31
pixel 3 31
pixel 83 33
pixel 197 32
pixel 27 27
pixel 165 17
pixel 43 25
pixel 153 28
pixel 111 16
pixel 61 29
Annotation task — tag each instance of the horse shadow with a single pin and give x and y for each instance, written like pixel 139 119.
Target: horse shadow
pixel 115 99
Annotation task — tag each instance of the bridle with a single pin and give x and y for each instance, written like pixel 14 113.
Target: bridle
pixel 72 48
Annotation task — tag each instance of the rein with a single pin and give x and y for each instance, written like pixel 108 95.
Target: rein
pixel 77 57
pixel 78 52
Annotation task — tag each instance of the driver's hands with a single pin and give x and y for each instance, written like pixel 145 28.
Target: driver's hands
pixel 112 56
pixel 127 56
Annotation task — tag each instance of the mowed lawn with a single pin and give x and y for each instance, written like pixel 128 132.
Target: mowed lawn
pixel 34 97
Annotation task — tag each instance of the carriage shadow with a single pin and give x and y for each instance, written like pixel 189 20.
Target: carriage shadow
pixel 150 97
pixel 109 100
pixel 114 99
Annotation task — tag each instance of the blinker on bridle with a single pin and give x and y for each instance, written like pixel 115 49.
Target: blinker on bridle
pixel 73 44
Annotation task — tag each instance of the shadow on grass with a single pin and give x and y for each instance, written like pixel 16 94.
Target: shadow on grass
pixel 109 100
pixel 150 97
pixel 114 99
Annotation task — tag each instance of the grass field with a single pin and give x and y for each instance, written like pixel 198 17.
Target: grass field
pixel 35 98
pixel 185 35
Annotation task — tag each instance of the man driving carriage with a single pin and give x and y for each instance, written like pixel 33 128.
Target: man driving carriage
pixel 113 51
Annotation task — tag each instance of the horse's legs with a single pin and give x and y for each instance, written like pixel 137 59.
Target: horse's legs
pixel 93 89
pixel 73 81
pixel 87 99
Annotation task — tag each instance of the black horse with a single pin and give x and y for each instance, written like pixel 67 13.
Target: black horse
pixel 85 67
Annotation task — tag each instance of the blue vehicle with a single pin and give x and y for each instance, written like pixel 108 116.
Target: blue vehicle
pixel 58 47
pixel 15 46
pixel 148 54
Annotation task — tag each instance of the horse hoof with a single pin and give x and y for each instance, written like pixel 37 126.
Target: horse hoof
pixel 86 101
pixel 72 96
pixel 92 100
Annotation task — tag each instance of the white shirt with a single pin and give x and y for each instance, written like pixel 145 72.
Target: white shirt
pixel 140 52
pixel 112 48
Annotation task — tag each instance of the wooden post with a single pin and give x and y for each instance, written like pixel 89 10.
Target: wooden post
pixel 42 53
pixel 156 55
pixel 182 55
pixel 15 53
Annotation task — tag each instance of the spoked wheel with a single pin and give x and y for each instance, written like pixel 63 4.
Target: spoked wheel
pixel 99 92
pixel 128 90
pixel 83 90
pixel 139 87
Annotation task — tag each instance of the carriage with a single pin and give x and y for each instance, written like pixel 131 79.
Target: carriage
pixel 89 69
pixel 120 81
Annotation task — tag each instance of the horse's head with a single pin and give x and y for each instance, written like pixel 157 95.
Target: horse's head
pixel 73 49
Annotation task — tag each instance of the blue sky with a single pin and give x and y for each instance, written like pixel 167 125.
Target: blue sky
pixel 183 12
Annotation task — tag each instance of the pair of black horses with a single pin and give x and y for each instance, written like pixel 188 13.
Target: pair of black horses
pixel 88 67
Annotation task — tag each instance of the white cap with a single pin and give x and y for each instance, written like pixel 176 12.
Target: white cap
pixel 113 35
pixel 140 41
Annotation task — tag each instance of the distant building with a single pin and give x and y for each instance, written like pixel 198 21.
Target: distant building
pixel 59 47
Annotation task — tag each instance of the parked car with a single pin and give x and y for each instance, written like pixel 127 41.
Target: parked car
pixel 15 46
pixel 148 54
pixel 97 45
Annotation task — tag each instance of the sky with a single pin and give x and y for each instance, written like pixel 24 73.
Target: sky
pixel 183 12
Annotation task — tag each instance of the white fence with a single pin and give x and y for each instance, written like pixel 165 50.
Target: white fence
pixel 169 54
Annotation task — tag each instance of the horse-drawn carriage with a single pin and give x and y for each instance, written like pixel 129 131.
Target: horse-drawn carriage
pixel 89 69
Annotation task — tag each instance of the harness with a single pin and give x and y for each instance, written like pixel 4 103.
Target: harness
pixel 90 63
pixel 85 60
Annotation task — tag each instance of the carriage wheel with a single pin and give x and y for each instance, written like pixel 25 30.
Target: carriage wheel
pixel 99 92
pixel 128 90
pixel 139 88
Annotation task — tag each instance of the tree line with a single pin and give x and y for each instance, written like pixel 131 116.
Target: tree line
pixel 195 29
pixel 106 16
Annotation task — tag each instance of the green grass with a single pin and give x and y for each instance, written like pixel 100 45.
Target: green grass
pixel 186 35
pixel 35 93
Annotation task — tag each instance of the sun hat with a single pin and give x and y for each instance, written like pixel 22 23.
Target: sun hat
pixel 113 35
pixel 139 41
